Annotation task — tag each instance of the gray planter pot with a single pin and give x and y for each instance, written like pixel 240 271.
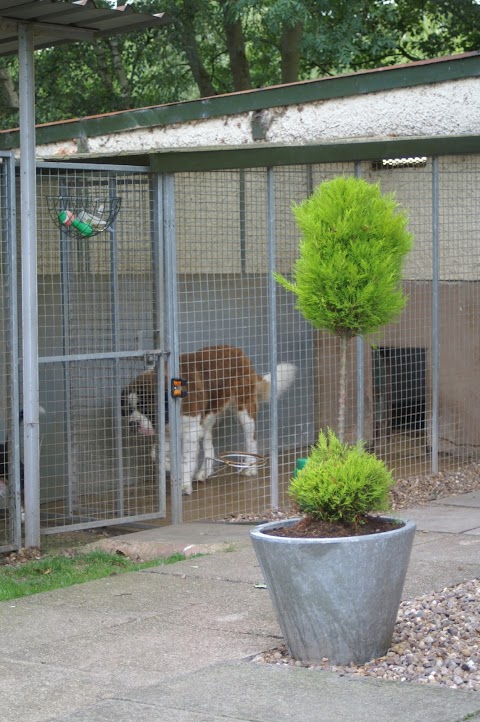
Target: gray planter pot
pixel 336 598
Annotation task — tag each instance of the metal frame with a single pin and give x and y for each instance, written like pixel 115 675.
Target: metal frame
pixel 9 250
pixel 158 352
pixel 167 343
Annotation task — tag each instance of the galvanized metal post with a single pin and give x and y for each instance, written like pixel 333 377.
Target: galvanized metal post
pixel 156 188
pixel 29 285
pixel 435 317
pixel 173 365
pixel 12 321
pixel 272 321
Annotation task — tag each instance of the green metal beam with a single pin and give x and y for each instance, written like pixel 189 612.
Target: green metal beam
pixel 364 82
pixel 346 151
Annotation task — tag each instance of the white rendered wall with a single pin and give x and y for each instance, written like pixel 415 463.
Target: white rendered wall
pixel 448 108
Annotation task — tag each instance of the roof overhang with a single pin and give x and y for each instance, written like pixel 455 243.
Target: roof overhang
pixel 56 22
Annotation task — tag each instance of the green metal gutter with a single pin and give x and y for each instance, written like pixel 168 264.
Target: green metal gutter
pixel 368 81
pixel 346 151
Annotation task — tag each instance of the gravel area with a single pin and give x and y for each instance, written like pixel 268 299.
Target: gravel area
pixel 420 490
pixel 437 636
pixel 436 641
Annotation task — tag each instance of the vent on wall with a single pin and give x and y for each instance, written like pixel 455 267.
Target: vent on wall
pixel 387 163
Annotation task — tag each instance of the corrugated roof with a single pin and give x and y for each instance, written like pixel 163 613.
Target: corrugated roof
pixel 56 22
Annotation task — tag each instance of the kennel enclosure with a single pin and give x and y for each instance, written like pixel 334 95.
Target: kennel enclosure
pixel 187 263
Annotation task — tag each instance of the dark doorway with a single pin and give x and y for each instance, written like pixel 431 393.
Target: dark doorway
pixel 399 388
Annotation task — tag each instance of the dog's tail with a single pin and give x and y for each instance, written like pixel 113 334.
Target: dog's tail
pixel 285 377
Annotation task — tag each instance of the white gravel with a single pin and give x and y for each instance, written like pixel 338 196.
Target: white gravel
pixel 436 641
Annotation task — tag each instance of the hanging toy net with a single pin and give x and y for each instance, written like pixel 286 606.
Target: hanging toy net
pixel 83 216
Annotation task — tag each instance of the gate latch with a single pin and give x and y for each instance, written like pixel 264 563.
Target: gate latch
pixel 149 360
pixel 178 388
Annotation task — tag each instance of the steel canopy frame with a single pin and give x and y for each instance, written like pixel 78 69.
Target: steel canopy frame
pixel 28 225
pixel 44 21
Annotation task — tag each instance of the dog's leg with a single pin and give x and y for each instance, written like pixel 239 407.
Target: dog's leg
pixel 167 453
pixel 206 469
pixel 192 433
pixel 248 425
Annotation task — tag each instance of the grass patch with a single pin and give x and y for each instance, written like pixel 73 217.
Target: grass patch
pixel 57 572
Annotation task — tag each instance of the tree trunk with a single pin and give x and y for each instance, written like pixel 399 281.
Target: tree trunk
pixel 99 48
pixel 125 90
pixel 342 397
pixel 190 48
pixel 9 88
pixel 290 52
pixel 236 49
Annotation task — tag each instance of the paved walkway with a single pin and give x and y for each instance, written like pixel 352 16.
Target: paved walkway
pixel 173 643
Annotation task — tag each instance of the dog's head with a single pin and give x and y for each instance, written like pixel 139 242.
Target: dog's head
pixel 138 405
pixel 134 410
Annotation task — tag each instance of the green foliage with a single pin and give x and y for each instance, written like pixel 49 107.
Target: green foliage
pixel 347 277
pixel 189 58
pixel 57 572
pixel 340 482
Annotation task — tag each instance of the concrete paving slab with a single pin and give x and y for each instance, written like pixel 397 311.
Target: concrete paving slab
pixel 34 692
pixel 439 561
pixel 472 499
pixel 126 711
pixel 139 596
pixel 423 577
pixel 278 694
pixel 462 548
pixel 146 647
pixel 188 539
pixel 448 519
pixel 23 626
pixel 238 566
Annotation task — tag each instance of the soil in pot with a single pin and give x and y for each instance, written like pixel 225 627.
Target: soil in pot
pixel 315 529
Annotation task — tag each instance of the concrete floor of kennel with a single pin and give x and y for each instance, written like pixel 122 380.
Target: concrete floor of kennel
pixel 229 493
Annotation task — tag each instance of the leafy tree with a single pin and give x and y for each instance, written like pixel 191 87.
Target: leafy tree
pixel 347 277
pixel 219 46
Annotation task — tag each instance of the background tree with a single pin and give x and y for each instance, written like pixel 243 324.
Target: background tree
pixel 219 46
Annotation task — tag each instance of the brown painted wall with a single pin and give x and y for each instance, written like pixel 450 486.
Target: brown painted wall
pixel 459 364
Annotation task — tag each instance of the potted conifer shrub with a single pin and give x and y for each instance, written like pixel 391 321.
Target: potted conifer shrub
pixel 335 574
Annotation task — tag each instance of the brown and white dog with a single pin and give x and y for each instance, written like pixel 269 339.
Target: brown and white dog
pixel 217 377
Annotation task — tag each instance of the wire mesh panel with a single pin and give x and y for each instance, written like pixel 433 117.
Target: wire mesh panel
pixel 256 382
pixel 459 307
pixel 398 358
pixel 11 476
pixel 232 231
pixel 100 326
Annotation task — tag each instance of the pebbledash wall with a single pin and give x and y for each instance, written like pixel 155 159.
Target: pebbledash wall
pixel 238 163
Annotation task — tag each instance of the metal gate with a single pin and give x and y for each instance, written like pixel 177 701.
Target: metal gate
pixel 10 465
pixel 186 264
pixel 101 322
